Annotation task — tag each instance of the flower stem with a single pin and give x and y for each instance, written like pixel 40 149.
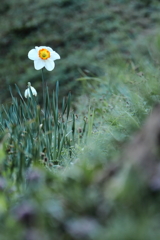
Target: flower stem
pixel 44 86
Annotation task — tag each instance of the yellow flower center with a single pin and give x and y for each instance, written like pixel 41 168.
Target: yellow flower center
pixel 44 54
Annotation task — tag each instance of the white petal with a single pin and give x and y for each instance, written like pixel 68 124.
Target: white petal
pixel 34 92
pixel 42 47
pixel 49 49
pixel 39 48
pixel 38 64
pixel 27 92
pixel 49 64
pixel 33 54
pixel 54 55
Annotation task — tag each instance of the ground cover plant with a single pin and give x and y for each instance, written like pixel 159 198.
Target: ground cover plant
pixel 66 169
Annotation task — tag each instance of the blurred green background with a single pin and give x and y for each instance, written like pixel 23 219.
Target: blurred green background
pixel 113 46
pixel 88 35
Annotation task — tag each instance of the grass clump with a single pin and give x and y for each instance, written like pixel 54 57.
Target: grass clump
pixel 38 134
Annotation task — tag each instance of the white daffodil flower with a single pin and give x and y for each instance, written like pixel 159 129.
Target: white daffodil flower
pixel 43 57
pixel 28 91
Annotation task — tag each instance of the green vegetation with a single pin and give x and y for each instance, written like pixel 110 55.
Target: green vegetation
pixel 85 33
pixel 64 170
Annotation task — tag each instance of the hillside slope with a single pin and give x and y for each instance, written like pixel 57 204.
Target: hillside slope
pixel 87 34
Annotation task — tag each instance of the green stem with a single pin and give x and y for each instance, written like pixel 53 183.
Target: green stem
pixel 44 86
